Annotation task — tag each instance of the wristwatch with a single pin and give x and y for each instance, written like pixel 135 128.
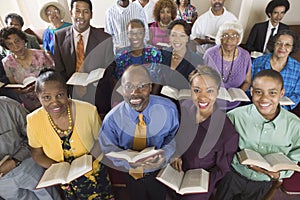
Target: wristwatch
pixel 16 161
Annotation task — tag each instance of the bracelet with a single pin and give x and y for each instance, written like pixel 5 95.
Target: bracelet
pixel 16 161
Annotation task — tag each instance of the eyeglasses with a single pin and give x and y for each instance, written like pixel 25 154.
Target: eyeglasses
pixel 285 45
pixel 15 42
pixel 137 34
pixel 141 87
pixel 233 37
pixel 49 12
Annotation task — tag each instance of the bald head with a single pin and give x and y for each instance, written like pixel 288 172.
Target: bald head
pixel 137 72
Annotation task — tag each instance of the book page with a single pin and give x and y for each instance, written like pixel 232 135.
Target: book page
pixel 79 167
pixel 170 92
pixel 184 94
pixel 250 157
pixel 223 94
pixel 237 94
pixel 27 81
pixel 134 156
pixel 78 79
pixel 285 101
pixel 171 177
pixel 1 84
pixel 279 161
pixel 194 181
pixel 95 75
pixel 4 159
pixel 55 174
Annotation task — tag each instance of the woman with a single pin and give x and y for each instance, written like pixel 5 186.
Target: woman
pixel 164 13
pixel 53 13
pixel 137 53
pixel 282 46
pixel 64 129
pixel 201 142
pixel 179 58
pixel 186 11
pixel 232 62
pixel 22 63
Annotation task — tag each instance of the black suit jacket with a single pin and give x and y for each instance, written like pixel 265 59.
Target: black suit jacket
pixel 98 53
pixel 257 37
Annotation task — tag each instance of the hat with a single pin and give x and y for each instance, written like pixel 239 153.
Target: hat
pixel 55 4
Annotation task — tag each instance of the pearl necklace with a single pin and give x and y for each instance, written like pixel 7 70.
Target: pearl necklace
pixel 59 131
pixel 164 25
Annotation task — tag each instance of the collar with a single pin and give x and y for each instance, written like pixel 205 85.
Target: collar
pixel 212 14
pixel 84 34
pixel 120 9
pixel 134 114
pixel 270 26
pixel 261 120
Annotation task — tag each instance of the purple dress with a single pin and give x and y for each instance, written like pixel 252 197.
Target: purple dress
pixel 158 35
pixel 209 145
pixel 240 68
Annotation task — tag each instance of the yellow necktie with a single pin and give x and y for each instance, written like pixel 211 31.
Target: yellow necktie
pixel 139 143
pixel 79 53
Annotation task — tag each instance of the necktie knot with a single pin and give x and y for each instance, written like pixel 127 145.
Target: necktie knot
pixel 141 120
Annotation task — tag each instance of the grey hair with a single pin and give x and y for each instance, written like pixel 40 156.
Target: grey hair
pixel 230 25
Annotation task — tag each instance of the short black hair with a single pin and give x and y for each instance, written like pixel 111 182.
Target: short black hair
pixel 136 21
pixel 48 74
pixel 7 31
pixel 14 16
pixel 203 70
pixel 186 26
pixel 178 2
pixel 284 32
pixel 269 73
pixel 275 3
pixel 86 1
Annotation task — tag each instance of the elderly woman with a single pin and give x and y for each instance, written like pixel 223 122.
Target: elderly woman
pixel 282 46
pixel 231 61
pixel 186 11
pixel 164 13
pixel 64 129
pixel 202 143
pixel 23 63
pixel 53 13
pixel 179 58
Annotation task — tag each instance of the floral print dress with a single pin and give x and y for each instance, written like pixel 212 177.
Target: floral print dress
pixel 92 185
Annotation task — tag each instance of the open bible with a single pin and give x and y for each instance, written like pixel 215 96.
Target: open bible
pixel 83 79
pixel 26 82
pixel 4 159
pixel 285 101
pixel 135 156
pixel 232 94
pixel 273 162
pixel 63 172
pixel 175 93
pixel 192 181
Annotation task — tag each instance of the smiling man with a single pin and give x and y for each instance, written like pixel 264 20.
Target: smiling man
pixel 266 128
pixel 262 32
pixel 82 48
pixel 141 120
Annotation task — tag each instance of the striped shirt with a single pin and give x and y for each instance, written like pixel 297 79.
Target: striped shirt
pixel 116 20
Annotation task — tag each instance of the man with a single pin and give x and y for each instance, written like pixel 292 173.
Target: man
pixel 82 48
pixel 19 174
pixel 262 32
pixel 266 128
pixel 206 26
pixel 120 127
pixel 15 20
pixel 117 18
pixel 148 6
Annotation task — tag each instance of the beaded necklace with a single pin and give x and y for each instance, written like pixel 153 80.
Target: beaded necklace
pixel 225 80
pixel 59 131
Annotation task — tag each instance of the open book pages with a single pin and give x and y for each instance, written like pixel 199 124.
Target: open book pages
pixel 255 54
pixel 285 101
pixel 84 79
pixel 135 156
pixel 1 84
pixel 161 44
pixel 26 82
pixel 4 159
pixel 273 162
pixel 63 172
pixel 232 94
pixel 175 93
pixel 192 181
pixel 212 37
